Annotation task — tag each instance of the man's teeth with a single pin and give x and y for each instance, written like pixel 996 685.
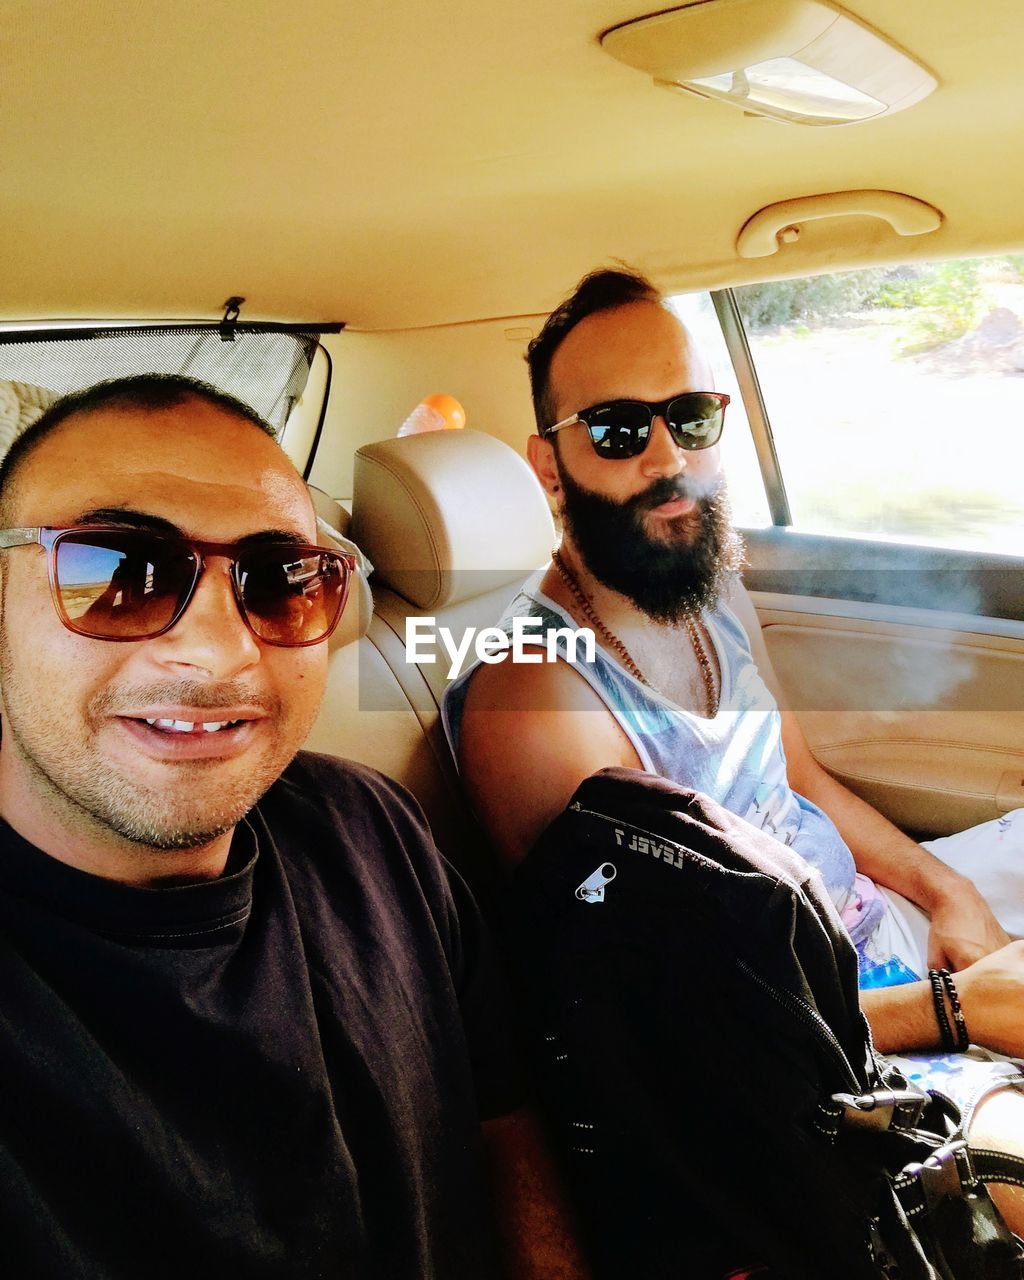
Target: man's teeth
pixel 189 726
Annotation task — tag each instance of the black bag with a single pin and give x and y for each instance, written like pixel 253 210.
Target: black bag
pixel 714 1091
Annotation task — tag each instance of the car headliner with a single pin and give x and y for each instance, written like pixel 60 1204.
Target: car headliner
pixel 402 164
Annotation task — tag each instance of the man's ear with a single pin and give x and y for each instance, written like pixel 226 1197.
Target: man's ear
pixel 540 453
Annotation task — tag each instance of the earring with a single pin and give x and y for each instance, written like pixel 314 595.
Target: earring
pixel 556 488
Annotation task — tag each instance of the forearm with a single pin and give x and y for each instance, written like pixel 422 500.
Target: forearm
pixel 902 1018
pixel 962 927
pixel 881 851
pixel 534 1225
pixel 991 993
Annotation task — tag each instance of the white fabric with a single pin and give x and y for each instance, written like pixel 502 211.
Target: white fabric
pixel 346 544
pixel 992 856
pixel 904 931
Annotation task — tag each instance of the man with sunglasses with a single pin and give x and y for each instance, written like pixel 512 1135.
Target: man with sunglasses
pixel 627 449
pixel 248 1026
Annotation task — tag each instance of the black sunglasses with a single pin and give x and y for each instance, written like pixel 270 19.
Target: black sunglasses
pixel 622 428
pixel 127 584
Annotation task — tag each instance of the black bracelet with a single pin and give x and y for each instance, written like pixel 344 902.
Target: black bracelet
pixel 935 976
pixel 963 1040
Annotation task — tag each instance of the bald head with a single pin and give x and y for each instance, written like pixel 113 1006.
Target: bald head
pixel 146 393
pixel 195 466
pixel 639 351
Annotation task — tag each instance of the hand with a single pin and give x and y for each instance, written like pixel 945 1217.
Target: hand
pixel 991 995
pixel 963 928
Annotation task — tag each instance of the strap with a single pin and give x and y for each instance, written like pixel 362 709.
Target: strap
pixel 950 1168
pixel 998 1166
pixel 946 1173
pixel 952 1171
pixel 992 1085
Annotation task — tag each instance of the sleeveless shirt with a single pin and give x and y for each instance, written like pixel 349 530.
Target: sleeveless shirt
pixel 736 758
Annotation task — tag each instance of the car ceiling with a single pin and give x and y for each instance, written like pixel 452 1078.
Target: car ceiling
pixel 399 164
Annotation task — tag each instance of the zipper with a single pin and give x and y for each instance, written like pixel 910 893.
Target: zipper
pixel 810 1018
pixel 797 1008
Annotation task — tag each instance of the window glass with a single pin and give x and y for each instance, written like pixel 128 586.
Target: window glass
pixel 298 435
pixel 264 368
pixel 739 459
pixel 896 399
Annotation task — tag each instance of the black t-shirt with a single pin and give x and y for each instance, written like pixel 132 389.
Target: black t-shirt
pixel 277 1074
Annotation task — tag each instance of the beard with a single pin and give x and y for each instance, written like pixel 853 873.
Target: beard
pixel 668 577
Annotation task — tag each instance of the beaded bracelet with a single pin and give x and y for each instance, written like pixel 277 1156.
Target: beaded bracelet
pixel 939 1000
pixel 963 1040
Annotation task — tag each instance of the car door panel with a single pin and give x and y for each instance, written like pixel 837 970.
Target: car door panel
pixel 918 710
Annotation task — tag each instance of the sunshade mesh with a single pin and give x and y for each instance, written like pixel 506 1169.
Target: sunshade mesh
pixel 265 368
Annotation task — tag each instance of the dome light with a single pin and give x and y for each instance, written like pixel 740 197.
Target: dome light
pixel 801 61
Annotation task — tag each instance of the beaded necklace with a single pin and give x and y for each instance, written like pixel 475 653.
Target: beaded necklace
pixel 615 644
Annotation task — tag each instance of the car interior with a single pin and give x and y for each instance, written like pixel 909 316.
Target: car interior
pixel 401 193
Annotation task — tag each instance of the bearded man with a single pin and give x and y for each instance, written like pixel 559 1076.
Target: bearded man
pixel 682 684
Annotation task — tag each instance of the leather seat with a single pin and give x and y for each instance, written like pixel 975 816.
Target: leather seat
pixel 453 523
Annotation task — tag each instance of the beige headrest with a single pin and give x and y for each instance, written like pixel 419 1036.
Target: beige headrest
pixel 448 515
pixel 20 404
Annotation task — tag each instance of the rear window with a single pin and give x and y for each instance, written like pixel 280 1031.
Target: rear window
pixel 266 368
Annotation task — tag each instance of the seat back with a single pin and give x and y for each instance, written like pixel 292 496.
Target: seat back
pixel 454 522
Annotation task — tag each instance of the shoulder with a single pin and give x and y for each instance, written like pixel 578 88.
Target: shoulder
pixel 528 685
pixel 326 809
pixel 335 785
pixel 530 733
pixel 360 863
pixel 548 706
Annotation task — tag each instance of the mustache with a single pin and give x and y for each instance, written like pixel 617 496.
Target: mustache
pixel 668 488
pixel 188 693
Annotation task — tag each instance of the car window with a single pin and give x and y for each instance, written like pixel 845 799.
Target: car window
pixel 895 398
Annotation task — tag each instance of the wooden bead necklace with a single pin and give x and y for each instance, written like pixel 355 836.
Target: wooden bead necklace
pixel 615 644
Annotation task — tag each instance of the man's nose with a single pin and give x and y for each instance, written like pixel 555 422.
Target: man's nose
pixel 211 635
pixel 662 457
